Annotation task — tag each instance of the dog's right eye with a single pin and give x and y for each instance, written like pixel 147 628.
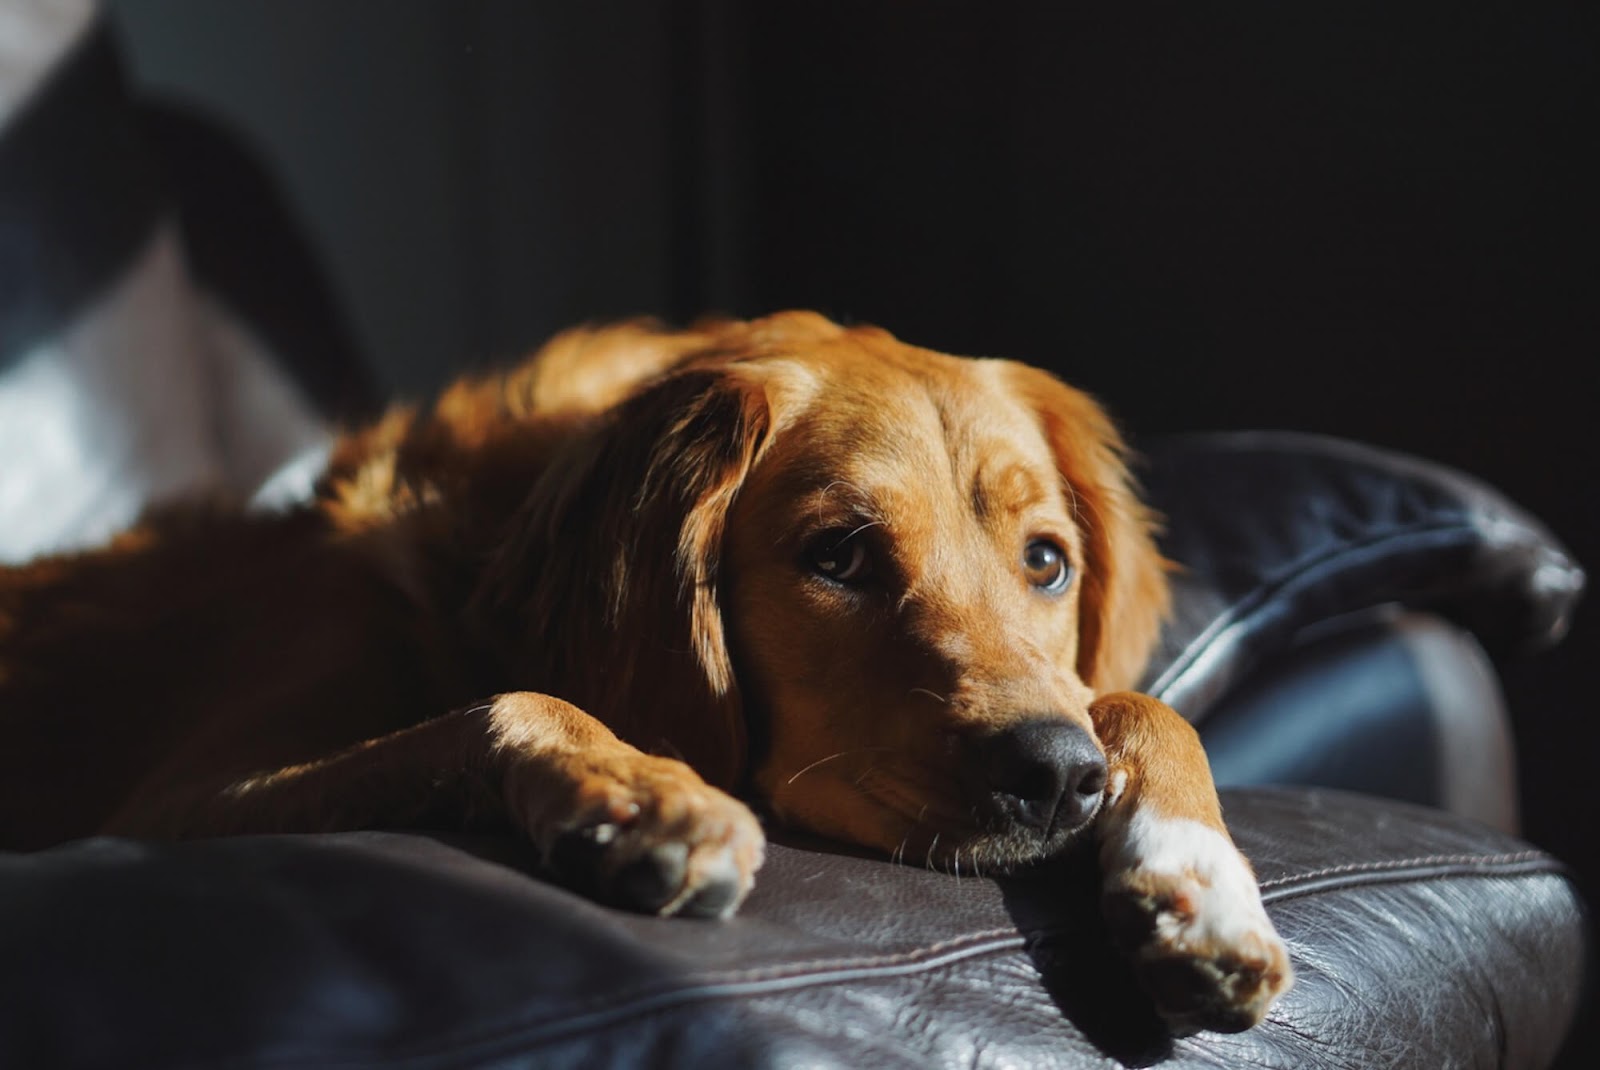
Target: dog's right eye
pixel 841 556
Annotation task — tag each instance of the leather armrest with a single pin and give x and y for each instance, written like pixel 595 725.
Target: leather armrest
pixel 1404 705
pixel 1275 532
pixel 1419 939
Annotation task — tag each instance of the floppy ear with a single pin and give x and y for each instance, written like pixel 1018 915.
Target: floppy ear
pixel 1124 596
pixel 610 577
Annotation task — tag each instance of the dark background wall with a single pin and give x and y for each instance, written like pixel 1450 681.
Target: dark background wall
pixel 1370 219
pixel 475 175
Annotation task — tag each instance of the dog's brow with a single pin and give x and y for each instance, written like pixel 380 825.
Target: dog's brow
pixel 1011 488
pixel 840 496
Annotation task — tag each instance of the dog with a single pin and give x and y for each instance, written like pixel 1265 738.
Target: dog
pixel 891 597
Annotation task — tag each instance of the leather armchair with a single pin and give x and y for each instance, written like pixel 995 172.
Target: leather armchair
pixel 1421 937
pixel 1338 620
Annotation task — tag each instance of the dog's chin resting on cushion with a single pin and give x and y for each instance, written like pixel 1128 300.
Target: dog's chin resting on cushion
pixel 573 596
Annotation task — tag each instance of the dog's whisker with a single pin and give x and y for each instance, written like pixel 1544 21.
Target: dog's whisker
pixel 864 527
pixel 822 497
pixel 840 483
pixel 931 847
pixel 821 761
pixel 931 694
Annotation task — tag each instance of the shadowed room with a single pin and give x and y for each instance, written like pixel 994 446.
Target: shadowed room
pixel 1366 226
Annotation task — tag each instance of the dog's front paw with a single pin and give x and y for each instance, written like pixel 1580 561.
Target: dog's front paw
pixel 640 832
pixel 1184 905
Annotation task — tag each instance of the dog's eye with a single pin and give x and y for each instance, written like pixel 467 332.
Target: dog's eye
pixel 1045 564
pixel 840 557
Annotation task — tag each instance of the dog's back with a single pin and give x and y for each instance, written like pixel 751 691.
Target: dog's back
pixel 212 642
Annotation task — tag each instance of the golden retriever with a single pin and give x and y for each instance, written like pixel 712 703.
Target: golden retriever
pixel 889 596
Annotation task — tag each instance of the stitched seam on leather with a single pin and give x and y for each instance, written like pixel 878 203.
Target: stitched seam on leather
pixel 939 951
pixel 1474 862
pixel 610 1009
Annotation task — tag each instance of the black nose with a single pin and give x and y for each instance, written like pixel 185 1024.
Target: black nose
pixel 1045 774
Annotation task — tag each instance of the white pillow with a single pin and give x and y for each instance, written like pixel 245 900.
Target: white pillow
pixel 141 391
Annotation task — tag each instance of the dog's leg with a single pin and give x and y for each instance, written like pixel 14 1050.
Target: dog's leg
pixel 1179 896
pixel 625 827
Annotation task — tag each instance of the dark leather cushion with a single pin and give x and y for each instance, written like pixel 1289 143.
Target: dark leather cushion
pixel 1420 940
pixel 1276 531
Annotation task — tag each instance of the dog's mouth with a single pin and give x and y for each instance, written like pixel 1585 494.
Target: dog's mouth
pixel 982 854
pixel 962 834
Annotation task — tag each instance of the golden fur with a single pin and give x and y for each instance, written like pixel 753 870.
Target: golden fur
pixel 576 595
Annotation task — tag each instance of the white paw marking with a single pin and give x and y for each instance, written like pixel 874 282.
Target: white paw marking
pixel 1185 894
pixel 1200 862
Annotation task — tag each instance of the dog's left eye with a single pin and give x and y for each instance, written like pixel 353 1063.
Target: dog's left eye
pixel 1045 564
pixel 841 556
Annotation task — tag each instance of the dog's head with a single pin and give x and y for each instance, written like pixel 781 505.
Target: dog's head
pixel 902 575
